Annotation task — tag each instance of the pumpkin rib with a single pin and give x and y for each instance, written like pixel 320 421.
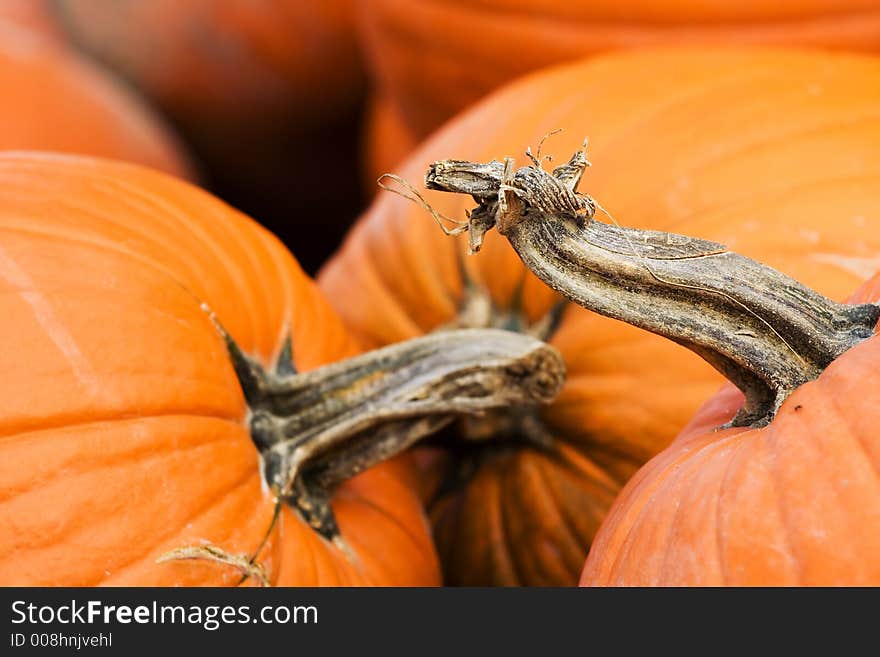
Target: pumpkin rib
pixel 555 483
pixel 227 577
pixel 120 417
pixel 693 465
pixel 790 186
pixel 509 517
pixel 46 434
pixel 150 201
pixel 673 105
pixel 768 195
pixel 208 239
pixel 798 132
pixel 837 487
pixel 313 555
pixel 844 420
pixel 720 540
pixel 419 275
pixel 440 512
pixel 116 248
pixel 597 477
pixel 151 459
pixel 676 99
pixel 652 499
pixel 387 513
pixel 502 559
pixel 47 539
pixel 404 325
pixel 286 298
pixel 75 420
pixel 346 576
pixel 593 509
pixel 108 246
pixel 388 567
pixel 245 481
pixel 44 315
pixel 715 510
pixel 557 511
pixel 788 530
pixel 646 495
pixel 513 482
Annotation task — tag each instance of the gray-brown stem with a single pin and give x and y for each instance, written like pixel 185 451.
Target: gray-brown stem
pixel 316 429
pixel 764 331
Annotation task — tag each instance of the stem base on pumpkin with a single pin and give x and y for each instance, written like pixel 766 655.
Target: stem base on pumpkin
pixel 316 429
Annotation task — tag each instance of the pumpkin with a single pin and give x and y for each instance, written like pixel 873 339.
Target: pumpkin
pixel 386 140
pixel 35 15
pixel 122 417
pixel 223 63
pixel 794 503
pixel 265 92
pixel 436 57
pixel 54 100
pixel 756 149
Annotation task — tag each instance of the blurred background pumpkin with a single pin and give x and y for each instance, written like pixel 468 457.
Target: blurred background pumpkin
pixel 35 15
pixel 267 93
pixel 433 58
pixel 55 100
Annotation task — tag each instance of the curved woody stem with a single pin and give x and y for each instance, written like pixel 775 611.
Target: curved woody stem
pixel 316 429
pixel 764 331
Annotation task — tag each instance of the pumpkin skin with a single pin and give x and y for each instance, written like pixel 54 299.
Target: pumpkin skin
pixel 96 116
pixel 774 153
pixel 438 57
pixel 794 503
pixel 386 140
pixel 35 15
pixel 123 421
pixel 225 63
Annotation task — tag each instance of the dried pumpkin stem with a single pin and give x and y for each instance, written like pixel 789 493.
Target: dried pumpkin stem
pixel 248 567
pixel 764 331
pixel 316 429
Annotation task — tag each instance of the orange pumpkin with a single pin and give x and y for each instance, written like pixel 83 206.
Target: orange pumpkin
pixel 436 57
pixel 122 417
pixel 219 64
pixel 35 15
pixel 53 100
pixel 755 149
pixel 794 503
pixel 266 93
pixel 386 140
